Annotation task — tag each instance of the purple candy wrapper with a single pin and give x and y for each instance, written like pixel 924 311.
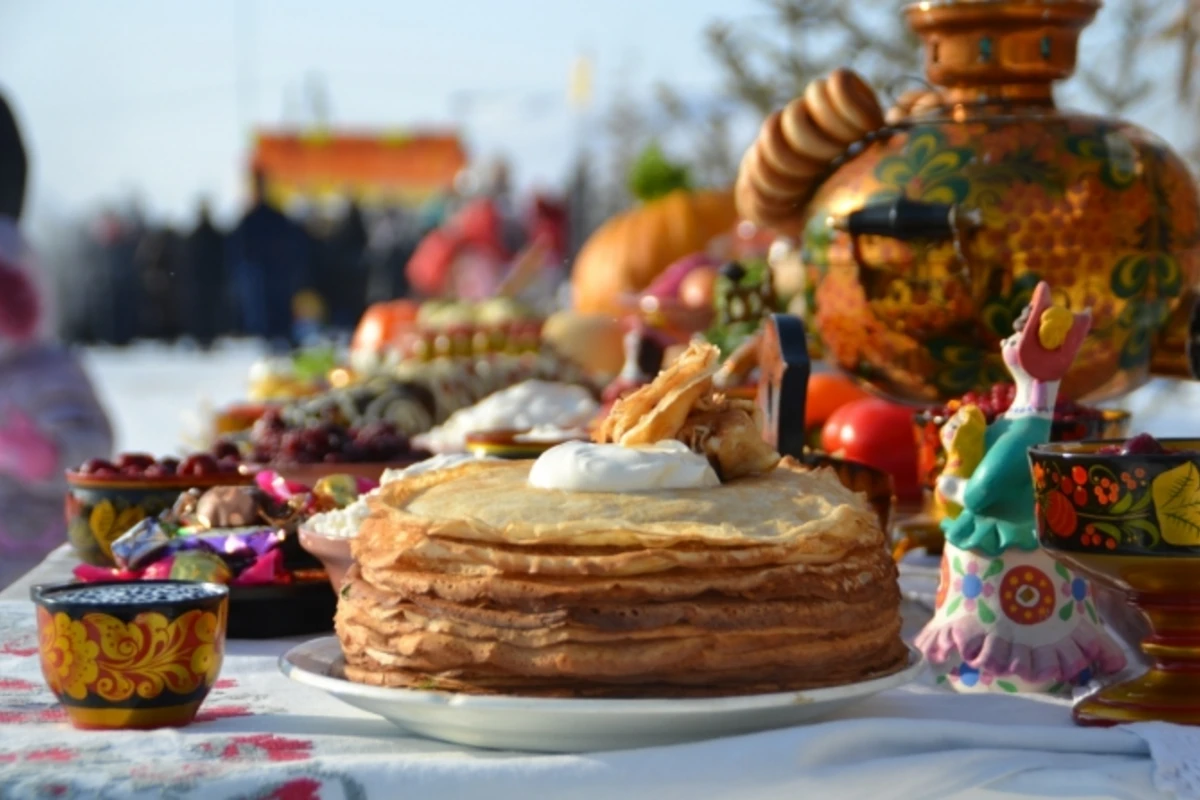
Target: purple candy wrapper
pixel 239 548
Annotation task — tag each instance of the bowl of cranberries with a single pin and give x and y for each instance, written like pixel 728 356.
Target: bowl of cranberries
pixel 1072 423
pixel 107 498
pixel 307 450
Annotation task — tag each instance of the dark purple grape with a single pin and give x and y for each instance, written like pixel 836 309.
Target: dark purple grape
pixel 1141 445
pixel 168 466
pixel 226 449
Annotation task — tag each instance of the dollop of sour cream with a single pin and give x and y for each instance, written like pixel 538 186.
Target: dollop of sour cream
pixel 588 467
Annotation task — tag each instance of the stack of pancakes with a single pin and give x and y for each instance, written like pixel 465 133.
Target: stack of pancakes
pixel 470 580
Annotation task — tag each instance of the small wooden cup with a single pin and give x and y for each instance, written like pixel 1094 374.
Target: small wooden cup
pixel 139 655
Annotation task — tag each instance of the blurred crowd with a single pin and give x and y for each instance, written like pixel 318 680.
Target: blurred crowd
pixel 285 276
pixel 262 277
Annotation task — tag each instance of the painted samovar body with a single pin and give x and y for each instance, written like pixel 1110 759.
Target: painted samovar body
pixel 929 236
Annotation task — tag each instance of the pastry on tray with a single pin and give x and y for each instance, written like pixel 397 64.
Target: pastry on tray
pixel 683 559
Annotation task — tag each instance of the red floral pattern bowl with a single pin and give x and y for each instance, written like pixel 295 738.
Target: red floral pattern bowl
pixel 131 655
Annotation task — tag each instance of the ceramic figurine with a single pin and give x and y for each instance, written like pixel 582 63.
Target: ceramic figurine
pixel 1009 617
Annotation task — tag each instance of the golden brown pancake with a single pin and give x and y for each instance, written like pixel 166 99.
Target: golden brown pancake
pixel 469 580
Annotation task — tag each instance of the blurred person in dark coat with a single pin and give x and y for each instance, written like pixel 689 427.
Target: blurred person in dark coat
pixel 205 281
pixel 50 419
pixel 348 248
pixel 393 240
pixel 269 255
pixel 157 259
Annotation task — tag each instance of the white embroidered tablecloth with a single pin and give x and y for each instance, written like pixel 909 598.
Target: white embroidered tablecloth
pixel 261 736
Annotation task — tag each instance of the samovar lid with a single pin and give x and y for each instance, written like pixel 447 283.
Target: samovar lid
pixel 1000 49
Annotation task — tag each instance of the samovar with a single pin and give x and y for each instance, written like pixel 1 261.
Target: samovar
pixel 925 238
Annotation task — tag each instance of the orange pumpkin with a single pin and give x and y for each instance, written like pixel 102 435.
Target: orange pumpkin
pixel 383 324
pixel 628 252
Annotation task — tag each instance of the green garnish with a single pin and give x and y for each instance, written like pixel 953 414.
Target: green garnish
pixel 653 175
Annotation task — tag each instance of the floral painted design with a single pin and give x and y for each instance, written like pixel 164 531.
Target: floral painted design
pixel 1078 594
pixel 1027 596
pixel 972 588
pixel 970 677
pixel 1098 506
pixel 68 655
pixel 1102 210
pixel 102 655
pixel 1176 494
pixel 928 170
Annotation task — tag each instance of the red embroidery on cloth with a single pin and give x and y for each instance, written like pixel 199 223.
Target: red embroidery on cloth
pixel 298 789
pixel 11 649
pixel 259 747
pixel 222 712
pixel 225 683
pixel 43 716
pixel 60 755
pixel 17 685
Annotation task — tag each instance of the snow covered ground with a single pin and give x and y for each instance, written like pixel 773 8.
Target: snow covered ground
pixel 152 390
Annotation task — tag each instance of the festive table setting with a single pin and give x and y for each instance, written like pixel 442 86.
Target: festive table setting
pixel 822 485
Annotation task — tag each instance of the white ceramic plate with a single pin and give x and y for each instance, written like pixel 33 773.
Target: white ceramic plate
pixel 571 726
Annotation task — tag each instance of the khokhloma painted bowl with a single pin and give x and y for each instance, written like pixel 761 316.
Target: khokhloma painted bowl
pixel 131 655
pixel 1132 522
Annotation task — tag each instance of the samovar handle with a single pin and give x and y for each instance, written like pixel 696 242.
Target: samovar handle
pixel 909 220
pixel 784 368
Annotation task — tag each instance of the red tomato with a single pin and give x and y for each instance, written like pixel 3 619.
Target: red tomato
pixel 383 324
pixel 827 392
pixel 879 434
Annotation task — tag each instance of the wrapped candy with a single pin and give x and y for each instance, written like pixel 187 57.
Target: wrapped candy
pixel 235 507
pixel 89 573
pixel 200 565
pixel 336 491
pixel 268 569
pixel 184 510
pixel 240 549
pixel 280 487
pixel 160 570
pixel 141 544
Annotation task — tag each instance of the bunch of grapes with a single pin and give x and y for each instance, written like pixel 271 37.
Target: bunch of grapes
pixel 273 440
pixel 999 399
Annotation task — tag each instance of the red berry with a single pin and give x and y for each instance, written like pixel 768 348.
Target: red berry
pixel 139 460
pixel 97 465
pixel 229 465
pixel 1142 444
pixel 155 471
pixel 199 466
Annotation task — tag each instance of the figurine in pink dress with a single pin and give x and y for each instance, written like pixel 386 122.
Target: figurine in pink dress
pixel 1008 616
pixel 50 419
